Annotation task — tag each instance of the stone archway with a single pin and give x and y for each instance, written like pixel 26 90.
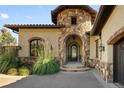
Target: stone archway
pixel 84 37
pixel 73 48
pixel 62 46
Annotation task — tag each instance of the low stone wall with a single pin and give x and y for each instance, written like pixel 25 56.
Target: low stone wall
pixel 93 62
pixel 27 60
pixel 105 69
pixel 31 60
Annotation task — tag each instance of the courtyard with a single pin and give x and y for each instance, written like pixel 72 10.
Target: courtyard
pixel 86 79
pixel 78 40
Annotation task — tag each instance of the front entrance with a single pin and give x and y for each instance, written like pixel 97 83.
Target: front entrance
pixel 73 52
pixel 119 62
pixel 73 49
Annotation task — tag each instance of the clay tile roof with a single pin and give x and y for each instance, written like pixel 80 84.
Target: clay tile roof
pixel 17 26
pixel 60 8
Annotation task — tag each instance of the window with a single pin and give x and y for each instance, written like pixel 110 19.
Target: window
pixel 35 46
pixel 97 48
pixel 73 20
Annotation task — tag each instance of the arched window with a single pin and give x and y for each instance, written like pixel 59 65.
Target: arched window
pixel 36 46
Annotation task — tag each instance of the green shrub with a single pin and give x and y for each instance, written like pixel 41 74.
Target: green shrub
pixel 52 67
pixel 12 71
pixel 46 63
pixel 7 61
pixel 45 66
pixel 28 65
pixel 24 71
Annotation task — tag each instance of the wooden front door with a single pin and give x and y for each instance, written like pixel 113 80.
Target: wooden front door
pixel 119 62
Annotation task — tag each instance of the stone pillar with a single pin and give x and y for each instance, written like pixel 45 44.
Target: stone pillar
pixel 86 48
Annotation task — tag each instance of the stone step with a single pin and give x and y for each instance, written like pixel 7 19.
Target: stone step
pixel 74 69
pixel 66 66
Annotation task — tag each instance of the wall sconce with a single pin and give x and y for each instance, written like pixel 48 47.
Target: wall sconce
pixel 19 48
pixel 101 48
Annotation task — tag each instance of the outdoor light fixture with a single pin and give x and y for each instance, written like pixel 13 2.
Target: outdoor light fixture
pixel 19 48
pixel 101 47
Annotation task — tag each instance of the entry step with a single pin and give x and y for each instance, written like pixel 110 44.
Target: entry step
pixel 74 69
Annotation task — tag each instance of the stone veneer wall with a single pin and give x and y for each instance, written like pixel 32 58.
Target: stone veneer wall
pixel 105 69
pixel 62 43
pixel 86 49
pixel 83 25
pixel 83 18
pixel 27 60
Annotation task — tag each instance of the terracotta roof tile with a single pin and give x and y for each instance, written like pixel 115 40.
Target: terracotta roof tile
pixel 17 26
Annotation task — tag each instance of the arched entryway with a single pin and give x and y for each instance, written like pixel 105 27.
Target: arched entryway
pixel 73 52
pixel 73 48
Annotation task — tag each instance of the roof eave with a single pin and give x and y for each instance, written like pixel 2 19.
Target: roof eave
pixel 101 18
pixel 16 28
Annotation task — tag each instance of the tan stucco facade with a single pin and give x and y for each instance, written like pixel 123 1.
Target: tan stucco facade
pixel 105 60
pixel 96 45
pixel 49 35
pixel 113 25
pixel 93 47
pixel 69 21
pixel 57 36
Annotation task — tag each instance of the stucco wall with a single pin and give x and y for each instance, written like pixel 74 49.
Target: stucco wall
pixel 115 22
pixel 92 47
pixel 57 36
pixel 50 35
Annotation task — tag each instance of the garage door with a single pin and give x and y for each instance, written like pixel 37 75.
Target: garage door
pixel 119 62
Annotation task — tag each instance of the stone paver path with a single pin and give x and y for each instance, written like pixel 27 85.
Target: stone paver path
pixel 59 80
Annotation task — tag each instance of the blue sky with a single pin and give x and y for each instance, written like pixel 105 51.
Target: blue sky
pixel 35 14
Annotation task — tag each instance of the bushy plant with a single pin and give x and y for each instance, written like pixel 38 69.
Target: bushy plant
pixel 12 71
pixel 46 64
pixel 24 71
pixel 52 67
pixel 24 64
pixel 7 61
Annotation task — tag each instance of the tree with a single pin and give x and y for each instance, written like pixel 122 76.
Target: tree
pixel 6 38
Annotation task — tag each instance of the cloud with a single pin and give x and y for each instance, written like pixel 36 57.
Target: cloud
pixel 40 6
pixel 4 15
pixel 28 17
